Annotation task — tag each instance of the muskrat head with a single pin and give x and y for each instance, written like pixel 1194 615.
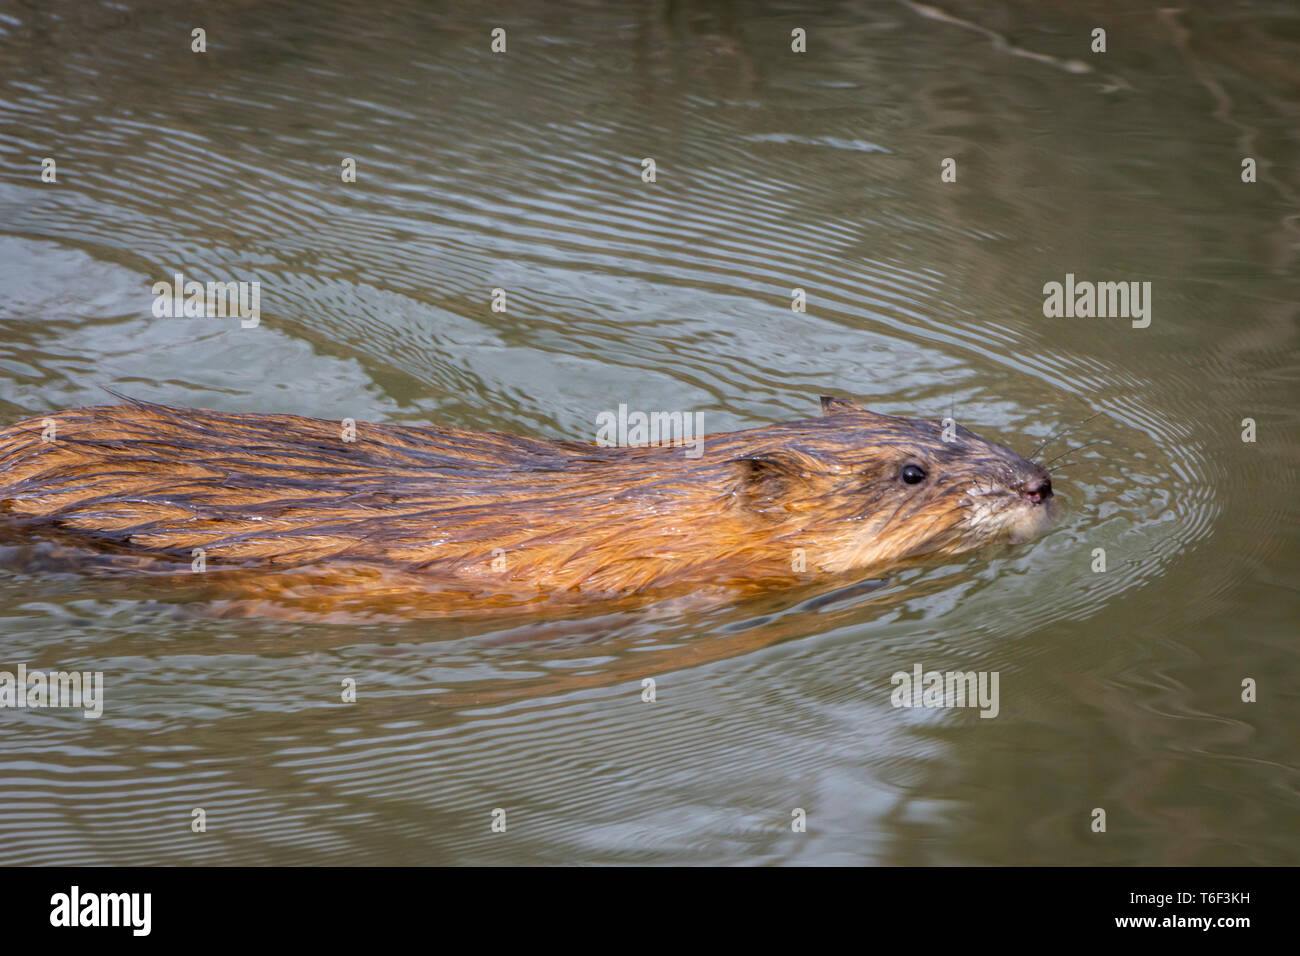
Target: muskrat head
pixel 868 489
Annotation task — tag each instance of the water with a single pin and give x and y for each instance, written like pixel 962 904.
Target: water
pixel 1118 689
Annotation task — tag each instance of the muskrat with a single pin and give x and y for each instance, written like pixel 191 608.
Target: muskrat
pixel 504 519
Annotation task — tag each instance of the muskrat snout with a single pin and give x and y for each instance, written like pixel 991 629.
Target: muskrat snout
pixel 1037 490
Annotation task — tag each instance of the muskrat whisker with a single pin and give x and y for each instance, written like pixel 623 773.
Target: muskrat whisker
pixel 1064 431
pixel 1069 464
pixel 1068 451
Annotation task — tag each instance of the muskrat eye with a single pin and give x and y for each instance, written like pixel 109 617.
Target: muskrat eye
pixel 913 474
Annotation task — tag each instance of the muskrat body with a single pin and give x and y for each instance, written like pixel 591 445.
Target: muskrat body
pixel 507 519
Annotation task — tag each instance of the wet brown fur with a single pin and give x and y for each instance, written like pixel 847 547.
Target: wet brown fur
pixel 433 507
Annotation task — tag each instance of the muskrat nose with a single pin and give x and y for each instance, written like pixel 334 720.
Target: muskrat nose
pixel 1037 489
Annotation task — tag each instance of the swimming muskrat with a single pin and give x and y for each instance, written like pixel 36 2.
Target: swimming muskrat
pixel 504 519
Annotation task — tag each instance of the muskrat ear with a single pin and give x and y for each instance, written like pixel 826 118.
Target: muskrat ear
pixel 831 405
pixel 765 475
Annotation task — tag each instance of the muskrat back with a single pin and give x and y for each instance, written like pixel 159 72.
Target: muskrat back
pixel 491 513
